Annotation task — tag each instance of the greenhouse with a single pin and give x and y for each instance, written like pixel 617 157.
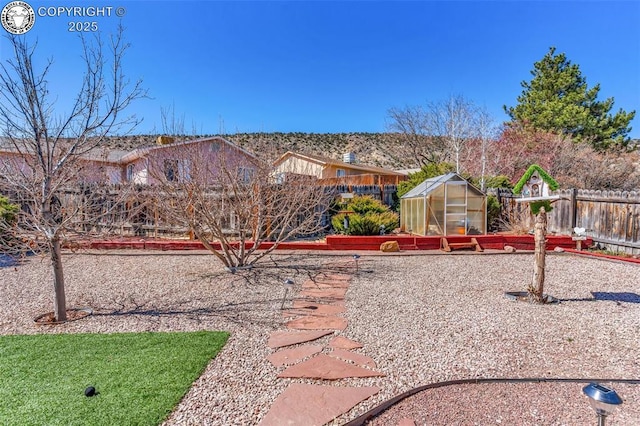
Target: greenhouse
pixel 444 205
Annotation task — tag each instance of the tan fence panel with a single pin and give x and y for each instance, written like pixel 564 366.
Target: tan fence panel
pixel 611 218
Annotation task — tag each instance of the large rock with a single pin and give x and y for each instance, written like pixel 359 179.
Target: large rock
pixel 389 247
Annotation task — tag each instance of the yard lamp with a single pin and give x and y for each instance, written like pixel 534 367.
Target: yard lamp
pixel 355 258
pixel 602 399
pixel 288 284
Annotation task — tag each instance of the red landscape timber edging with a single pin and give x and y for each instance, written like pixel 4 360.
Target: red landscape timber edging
pixel 407 242
pixel 603 256
pixel 347 242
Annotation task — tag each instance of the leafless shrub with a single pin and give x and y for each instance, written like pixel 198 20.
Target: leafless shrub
pixel 233 202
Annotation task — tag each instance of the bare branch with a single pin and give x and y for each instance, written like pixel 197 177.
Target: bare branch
pixel 231 200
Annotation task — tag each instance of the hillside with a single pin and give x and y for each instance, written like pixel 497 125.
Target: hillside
pixel 387 150
pixel 376 149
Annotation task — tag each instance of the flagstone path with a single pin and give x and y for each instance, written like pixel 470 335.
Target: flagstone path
pixel 315 313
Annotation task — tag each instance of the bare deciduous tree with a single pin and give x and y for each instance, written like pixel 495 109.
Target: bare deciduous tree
pixel 411 123
pixel 46 152
pixel 485 133
pixel 233 202
pixel 453 120
pixel 172 125
pixel 572 164
pixel 437 132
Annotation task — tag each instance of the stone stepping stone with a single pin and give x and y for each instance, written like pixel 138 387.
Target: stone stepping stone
pixel 278 339
pixel 325 293
pixel 406 422
pixel 340 342
pixel 310 284
pixel 314 405
pixel 333 277
pixel 294 355
pixel 313 309
pixel 325 367
pixel 318 323
pixel 306 304
pixel 353 356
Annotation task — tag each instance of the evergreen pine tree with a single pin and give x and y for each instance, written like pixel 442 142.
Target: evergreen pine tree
pixel 557 99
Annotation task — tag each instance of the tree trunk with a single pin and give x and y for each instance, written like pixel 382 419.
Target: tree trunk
pixel 536 288
pixel 60 300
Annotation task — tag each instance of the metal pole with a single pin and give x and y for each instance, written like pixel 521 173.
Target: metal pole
pixel 601 419
pixel 286 290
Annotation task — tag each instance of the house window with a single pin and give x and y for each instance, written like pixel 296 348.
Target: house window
pixel 341 173
pixel 184 170
pixel 245 174
pixel 130 169
pixel 280 178
pixel 171 170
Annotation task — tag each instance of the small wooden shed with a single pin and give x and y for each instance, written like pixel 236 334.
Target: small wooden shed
pixel 444 205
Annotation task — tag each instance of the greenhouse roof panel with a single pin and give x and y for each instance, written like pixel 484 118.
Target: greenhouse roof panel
pixel 429 185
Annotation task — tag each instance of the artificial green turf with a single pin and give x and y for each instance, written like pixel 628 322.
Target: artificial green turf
pixel 140 377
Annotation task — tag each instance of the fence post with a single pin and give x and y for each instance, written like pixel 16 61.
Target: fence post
pixel 574 208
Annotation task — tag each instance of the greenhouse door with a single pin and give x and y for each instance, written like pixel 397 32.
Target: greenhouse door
pixel 455 219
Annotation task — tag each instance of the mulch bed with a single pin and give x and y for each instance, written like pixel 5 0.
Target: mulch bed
pixel 72 315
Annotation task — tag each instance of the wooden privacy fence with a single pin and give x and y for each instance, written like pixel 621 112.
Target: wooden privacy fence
pixel 139 211
pixel 611 218
pixel 384 193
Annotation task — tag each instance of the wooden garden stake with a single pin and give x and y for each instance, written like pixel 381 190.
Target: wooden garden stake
pixel 536 288
pixel 536 186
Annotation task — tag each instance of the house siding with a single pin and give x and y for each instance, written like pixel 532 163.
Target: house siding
pixel 300 166
pixel 148 163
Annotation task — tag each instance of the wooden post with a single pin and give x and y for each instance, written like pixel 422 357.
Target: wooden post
pixel 574 208
pixel 536 288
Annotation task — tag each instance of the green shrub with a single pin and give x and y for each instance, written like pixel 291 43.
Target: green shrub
pixel 535 206
pixel 493 213
pixel 365 204
pixel 500 181
pixel 8 217
pixel 367 218
pixel 428 171
pixel 8 211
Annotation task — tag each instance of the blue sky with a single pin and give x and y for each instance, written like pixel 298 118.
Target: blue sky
pixel 339 66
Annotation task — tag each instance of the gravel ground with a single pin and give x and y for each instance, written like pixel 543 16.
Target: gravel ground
pixel 422 318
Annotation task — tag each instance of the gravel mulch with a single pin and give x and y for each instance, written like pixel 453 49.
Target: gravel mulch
pixel 422 318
